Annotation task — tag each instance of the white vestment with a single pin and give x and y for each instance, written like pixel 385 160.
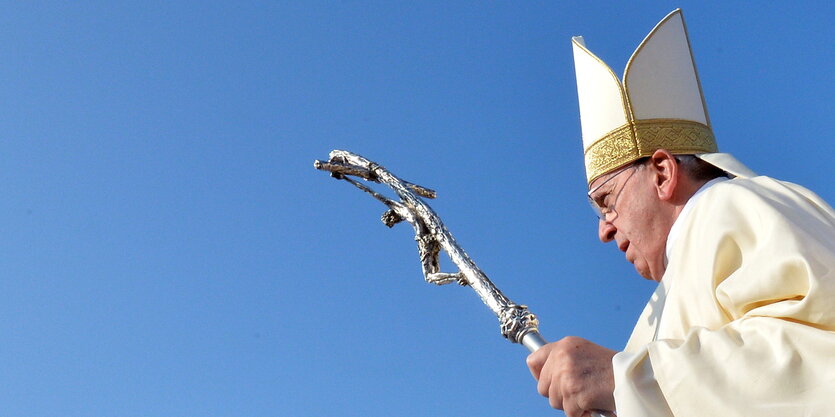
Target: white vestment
pixel 743 321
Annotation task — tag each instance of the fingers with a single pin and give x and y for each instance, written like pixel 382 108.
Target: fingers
pixel 554 395
pixel 549 384
pixel 572 409
pixel 575 375
pixel 536 360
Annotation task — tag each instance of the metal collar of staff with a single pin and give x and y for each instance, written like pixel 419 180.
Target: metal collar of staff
pixel 517 324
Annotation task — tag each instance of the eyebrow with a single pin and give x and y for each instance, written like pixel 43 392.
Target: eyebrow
pixel 603 189
pixel 600 195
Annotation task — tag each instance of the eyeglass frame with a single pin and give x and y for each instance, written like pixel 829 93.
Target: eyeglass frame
pixel 603 213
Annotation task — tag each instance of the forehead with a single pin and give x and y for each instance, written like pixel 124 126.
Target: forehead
pixel 602 182
pixel 598 182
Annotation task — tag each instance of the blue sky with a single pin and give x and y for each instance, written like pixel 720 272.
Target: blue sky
pixel 168 249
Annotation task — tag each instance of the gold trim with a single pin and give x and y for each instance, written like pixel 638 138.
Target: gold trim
pixel 639 139
pixel 610 152
pixel 675 135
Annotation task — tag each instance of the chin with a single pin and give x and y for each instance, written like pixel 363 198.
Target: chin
pixel 643 270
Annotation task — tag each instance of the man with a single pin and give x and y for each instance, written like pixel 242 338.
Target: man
pixel 743 320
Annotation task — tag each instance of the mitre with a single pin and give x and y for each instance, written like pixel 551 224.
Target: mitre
pixel 659 104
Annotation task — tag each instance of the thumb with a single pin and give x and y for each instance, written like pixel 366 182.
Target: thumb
pixel 536 361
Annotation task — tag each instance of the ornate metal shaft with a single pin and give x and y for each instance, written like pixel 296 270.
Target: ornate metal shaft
pixel 517 323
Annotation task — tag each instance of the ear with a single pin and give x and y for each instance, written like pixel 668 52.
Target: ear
pixel 665 172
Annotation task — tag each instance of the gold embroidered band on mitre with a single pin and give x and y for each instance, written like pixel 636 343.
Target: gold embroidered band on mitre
pixel 643 137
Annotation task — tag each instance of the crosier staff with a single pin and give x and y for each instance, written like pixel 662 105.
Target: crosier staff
pixel 517 324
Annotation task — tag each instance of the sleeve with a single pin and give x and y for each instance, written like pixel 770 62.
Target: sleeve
pixel 636 391
pixel 751 328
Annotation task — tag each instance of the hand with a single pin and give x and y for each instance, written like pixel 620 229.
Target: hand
pixel 576 376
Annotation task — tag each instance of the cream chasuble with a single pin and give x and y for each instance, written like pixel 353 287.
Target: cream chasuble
pixel 743 321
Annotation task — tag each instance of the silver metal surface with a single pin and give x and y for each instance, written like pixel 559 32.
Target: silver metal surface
pixel 516 323
pixel 533 341
pixel 432 236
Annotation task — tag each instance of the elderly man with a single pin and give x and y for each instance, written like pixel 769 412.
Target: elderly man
pixel 743 320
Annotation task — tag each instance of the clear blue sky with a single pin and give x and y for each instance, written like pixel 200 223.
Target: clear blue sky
pixel 168 249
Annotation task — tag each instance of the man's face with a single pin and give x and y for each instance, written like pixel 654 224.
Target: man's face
pixel 636 221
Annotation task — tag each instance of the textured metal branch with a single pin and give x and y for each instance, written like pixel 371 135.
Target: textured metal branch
pixel 517 324
pixel 338 170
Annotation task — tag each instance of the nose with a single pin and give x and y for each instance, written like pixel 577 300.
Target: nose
pixel 606 231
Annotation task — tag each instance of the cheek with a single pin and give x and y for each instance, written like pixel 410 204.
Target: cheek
pixel 650 242
pixel 642 231
pixel 644 255
pixel 647 243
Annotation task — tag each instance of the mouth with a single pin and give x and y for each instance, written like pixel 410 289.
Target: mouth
pixel 624 247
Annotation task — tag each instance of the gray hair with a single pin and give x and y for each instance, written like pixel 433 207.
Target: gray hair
pixel 698 169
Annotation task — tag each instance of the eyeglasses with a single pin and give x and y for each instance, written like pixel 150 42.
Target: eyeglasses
pixel 604 211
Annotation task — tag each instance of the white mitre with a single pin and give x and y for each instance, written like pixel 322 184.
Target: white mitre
pixel 659 105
